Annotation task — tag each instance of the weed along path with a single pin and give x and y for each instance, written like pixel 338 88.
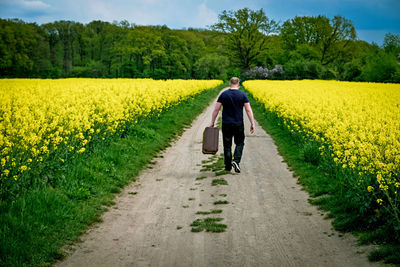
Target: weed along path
pixel 183 211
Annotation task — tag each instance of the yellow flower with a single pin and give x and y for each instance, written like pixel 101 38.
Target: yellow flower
pixel 43 116
pixel 383 187
pixel 379 201
pixel 356 121
pixel 370 188
pixel 44 149
pixel 23 168
pixel 379 178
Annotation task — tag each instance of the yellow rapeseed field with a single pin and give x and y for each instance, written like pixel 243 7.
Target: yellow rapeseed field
pixel 356 124
pixel 39 118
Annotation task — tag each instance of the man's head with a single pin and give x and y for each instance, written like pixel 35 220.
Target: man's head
pixel 234 82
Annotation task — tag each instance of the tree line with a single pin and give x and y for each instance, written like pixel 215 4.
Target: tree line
pixel 243 43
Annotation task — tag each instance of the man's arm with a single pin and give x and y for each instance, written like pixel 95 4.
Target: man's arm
pixel 215 113
pixel 249 112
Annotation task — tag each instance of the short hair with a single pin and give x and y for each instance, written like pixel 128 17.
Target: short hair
pixel 234 81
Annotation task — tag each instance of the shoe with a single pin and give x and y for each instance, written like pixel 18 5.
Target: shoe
pixel 236 166
pixel 228 169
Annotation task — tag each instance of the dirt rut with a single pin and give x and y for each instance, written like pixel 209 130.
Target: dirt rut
pixel 270 222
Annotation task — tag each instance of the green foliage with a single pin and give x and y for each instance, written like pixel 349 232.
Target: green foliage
pixel 352 70
pixel 305 51
pixel 248 31
pixel 208 224
pixel 221 202
pixel 310 153
pixel 220 181
pixel 391 44
pixel 18 41
pixel 303 69
pixel 212 66
pixel 209 212
pixel 380 67
pixel 327 36
pixel 102 49
pixel 307 47
pixel 93 69
pixel 215 164
pixel 389 254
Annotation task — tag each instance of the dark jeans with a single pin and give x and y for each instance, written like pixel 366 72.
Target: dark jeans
pixel 230 131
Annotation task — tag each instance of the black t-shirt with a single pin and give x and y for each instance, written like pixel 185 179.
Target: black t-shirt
pixel 232 101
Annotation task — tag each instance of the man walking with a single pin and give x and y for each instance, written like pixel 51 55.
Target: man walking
pixel 233 101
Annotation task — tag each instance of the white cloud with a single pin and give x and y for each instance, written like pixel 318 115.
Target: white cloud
pixel 206 16
pixel 141 12
pixel 151 2
pixel 196 16
pixel 173 13
pixel 33 5
pixel 101 10
pixel 24 9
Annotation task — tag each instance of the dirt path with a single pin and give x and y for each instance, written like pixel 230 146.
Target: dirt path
pixel 270 222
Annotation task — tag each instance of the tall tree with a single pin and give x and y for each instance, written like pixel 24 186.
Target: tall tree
pixel 391 44
pixel 247 33
pixel 65 30
pixel 17 43
pixel 328 36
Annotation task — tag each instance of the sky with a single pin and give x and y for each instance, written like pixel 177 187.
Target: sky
pixel 371 18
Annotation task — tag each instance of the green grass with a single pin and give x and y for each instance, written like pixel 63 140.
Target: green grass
pixel 220 181
pixel 208 224
pixel 222 172
pixel 215 164
pixel 210 159
pixel 329 190
pixel 36 224
pixel 221 202
pixel 209 212
pixel 387 253
pixel 201 178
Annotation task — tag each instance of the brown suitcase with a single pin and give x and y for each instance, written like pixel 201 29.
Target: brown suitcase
pixel 210 140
